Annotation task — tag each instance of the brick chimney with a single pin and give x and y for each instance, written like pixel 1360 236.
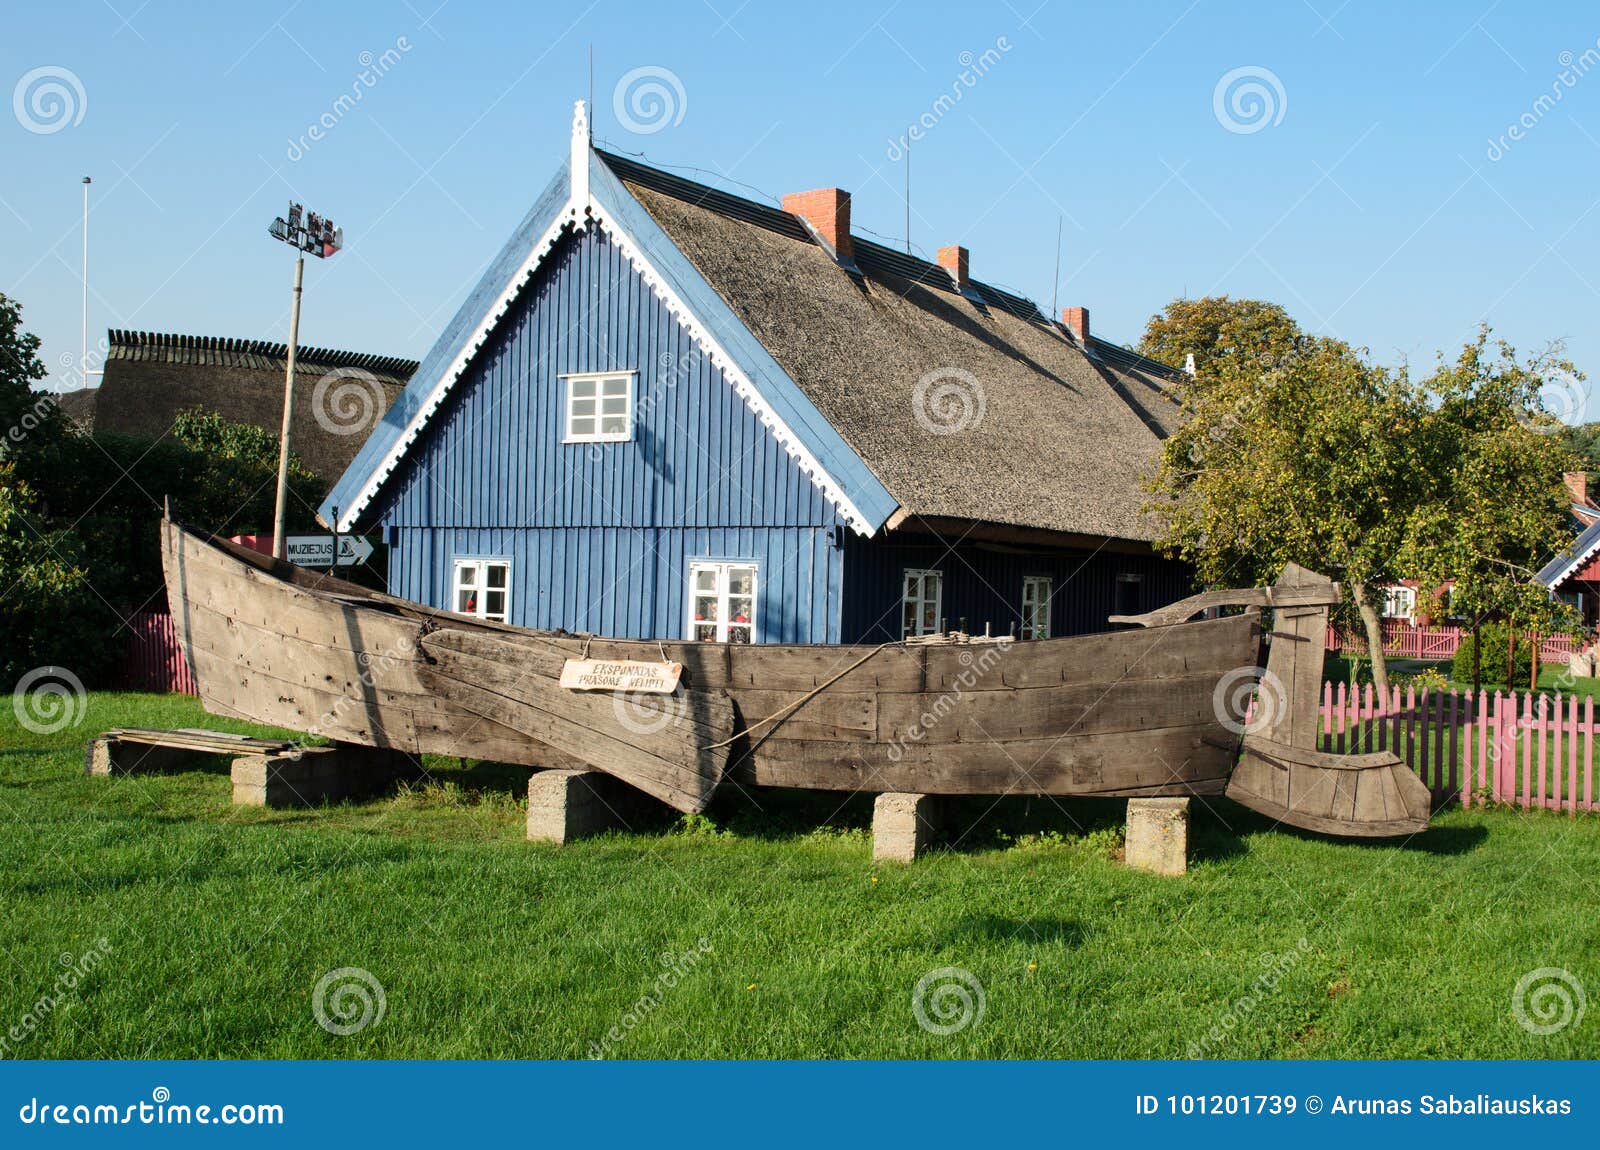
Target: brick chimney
pixel 827 210
pixel 953 259
pixel 1577 486
pixel 1077 318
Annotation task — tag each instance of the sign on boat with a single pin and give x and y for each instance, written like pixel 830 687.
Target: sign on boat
pixel 621 675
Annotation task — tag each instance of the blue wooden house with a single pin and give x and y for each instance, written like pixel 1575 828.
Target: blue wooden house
pixel 670 412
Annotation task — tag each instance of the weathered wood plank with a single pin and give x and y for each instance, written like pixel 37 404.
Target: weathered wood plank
pixel 1309 796
pixel 831 716
pixel 495 665
pixel 1283 774
pixel 667 750
pixel 1296 592
pixel 257 697
pixel 1084 708
pixel 1074 765
pixel 684 787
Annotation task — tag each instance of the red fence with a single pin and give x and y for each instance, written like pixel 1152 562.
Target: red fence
pixel 1530 750
pixel 152 659
pixel 1403 641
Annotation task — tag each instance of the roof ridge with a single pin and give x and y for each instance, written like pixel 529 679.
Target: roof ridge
pixel 1138 359
pixel 327 357
pixel 904 264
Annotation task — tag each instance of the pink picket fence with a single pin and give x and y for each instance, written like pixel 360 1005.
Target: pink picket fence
pixel 1528 750
pixel 1403 641
pixel 151 657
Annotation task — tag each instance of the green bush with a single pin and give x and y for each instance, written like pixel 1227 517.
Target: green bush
pixel 1493 671
pixel 49 612
pixel 1431 678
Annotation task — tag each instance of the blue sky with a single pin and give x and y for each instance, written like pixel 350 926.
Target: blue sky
pixel 1368 189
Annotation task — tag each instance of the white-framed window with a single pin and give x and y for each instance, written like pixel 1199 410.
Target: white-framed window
pixel 599 407
pixel 482 587
pixel 1399 602
pixel 921 602
pixel 722 601
pixel 1036 592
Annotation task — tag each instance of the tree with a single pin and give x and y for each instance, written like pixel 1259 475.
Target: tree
pixel 220 476
pixel 32 427
pixel 1305 461
pixel 1582 441
pixel 78 514
pixel 1216 330
pixel 49 613
pixel 1330 461
pixel 1495 507
pixel 233 468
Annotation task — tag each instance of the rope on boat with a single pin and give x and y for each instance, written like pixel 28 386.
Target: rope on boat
pixel 785 711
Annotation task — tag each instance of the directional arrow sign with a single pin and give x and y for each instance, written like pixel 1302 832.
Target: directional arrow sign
pixel 317 550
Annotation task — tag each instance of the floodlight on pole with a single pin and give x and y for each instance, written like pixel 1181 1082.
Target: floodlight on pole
pixel 306 232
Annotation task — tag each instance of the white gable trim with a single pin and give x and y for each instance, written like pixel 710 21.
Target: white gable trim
pixel 570 217
pixel 567 218
pixel 720 359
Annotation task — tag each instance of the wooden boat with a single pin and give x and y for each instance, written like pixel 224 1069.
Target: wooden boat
pixel 1136 712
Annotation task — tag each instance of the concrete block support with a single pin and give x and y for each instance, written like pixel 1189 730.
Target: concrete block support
pixel 565 805
pixel 106 757
pixel 314 775
pixel 903 826
pixel 1158 835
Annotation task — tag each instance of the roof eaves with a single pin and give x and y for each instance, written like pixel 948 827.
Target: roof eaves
pixel 1584 548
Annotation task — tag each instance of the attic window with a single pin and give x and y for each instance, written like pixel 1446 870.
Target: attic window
pixel 599 407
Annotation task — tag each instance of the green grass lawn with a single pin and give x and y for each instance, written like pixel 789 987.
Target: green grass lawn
pixel 218 924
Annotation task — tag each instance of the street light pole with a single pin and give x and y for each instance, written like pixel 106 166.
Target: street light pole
pixel 280 508
pixel 83 348
pixel 305 232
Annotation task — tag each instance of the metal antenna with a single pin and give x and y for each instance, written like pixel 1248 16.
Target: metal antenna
pixel 908 199
pixel 591 92
pixel 1055 289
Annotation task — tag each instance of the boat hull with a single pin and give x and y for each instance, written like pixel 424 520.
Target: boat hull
pixel 1125 713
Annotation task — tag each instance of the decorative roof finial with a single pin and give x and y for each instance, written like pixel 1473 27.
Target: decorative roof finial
pixel 579 163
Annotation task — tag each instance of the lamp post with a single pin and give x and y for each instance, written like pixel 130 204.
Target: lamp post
pixel 305 232
pixel 83 348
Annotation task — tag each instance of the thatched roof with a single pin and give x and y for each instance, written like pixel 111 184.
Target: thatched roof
pixel 339 395
pixel 1067 433
pixel 78 405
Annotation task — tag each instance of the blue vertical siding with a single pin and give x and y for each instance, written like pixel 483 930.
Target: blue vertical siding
pixel 983 585
pixel 601 535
